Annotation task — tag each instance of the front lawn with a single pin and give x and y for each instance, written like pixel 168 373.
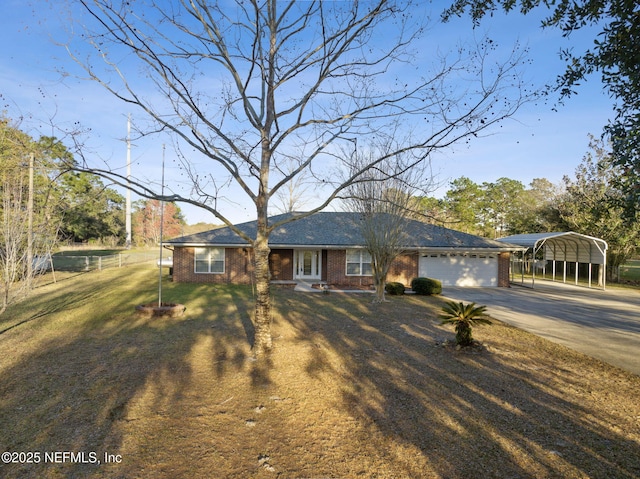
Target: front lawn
pixel 630 271
pixel 351 390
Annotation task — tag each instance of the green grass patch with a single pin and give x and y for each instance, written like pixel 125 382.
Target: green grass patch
pixel 89 260
pixel 630 271
pixel 89 252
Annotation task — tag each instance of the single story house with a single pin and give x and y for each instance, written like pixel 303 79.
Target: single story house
pixel 328 248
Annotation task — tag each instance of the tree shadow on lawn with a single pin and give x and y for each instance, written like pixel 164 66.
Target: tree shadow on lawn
pixel 352 390
pixel 434 411
pixel 91 376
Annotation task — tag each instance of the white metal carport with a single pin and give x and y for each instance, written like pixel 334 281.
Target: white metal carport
pixel 564 247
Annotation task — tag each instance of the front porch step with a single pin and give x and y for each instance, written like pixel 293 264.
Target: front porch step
pixel 307 287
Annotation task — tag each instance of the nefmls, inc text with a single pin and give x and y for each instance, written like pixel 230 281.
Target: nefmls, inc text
pixel 60 457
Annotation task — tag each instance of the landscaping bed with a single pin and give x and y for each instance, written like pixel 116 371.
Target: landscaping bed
pixel 171 310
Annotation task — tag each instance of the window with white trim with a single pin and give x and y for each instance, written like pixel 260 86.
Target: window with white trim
pixel 358 262
pixel 209 260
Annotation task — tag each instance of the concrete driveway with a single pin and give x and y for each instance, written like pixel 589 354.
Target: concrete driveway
pixel 601 324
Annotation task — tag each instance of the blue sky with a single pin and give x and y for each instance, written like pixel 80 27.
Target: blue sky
pixel 539 142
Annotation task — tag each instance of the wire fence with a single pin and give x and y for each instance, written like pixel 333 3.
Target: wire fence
pixel 62 262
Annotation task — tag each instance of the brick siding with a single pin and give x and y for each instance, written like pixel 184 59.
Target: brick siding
pixel 239 268
pixel 281 264
pixel 336 271
pixel 504 263
pixel 403 269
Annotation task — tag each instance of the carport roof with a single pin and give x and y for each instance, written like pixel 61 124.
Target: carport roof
pixel 567 246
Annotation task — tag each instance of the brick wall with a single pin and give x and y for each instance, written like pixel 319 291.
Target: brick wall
pixel 238 267
pixel 504 260
pixel 336 271
pixel 281 264
pixel 403 270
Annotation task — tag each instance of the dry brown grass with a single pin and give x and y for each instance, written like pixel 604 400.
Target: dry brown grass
pixel 351 390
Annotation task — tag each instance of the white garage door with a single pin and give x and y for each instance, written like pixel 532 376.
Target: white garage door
pixel 460 269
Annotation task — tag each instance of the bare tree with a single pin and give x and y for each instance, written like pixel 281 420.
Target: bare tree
pixel 295 194
pixel 27 232
pixel 17 254
pixel 384 200
pixel 248 85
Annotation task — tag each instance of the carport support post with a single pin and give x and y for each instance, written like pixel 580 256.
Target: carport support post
pixel 576 273
pixel 511 266
pixel 533 269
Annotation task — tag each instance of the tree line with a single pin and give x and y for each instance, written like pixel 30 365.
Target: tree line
pixel 44 202
pixel 494 209
pixel 70 206
pixel 590 202
pixel 613 56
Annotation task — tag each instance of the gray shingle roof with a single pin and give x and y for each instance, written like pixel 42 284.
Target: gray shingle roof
pixel 336 230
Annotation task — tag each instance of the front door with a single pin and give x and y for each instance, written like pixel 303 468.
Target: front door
pixel 308 264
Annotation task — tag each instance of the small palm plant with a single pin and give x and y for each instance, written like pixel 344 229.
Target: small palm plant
pixel 463 316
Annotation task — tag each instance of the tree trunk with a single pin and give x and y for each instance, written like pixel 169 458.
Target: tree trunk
pixel 464 336
pixel 262 320
pixel 379 281
pixel 379 284
pixel 5 300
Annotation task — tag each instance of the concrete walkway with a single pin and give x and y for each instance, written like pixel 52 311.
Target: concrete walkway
pixel 305 287
pixel 602 324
